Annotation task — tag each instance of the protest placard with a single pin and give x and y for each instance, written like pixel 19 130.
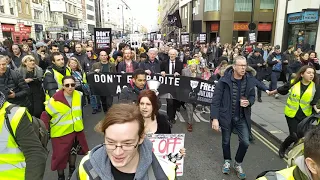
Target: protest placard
pixel 102 39
pixel 167 146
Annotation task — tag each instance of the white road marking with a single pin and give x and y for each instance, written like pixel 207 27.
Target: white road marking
pixel 180 117
pixel 201 118
pixel 195 117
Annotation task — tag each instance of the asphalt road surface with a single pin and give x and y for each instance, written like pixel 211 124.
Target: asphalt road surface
pixel 204 153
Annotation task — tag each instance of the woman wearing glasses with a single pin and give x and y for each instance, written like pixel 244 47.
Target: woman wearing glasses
pixel 32 74
pixel 66 127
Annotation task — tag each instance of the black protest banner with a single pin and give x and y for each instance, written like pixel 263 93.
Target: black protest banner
pixel 186 89
pixel 102 39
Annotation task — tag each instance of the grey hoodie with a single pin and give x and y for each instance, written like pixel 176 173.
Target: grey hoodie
pixel 303 167
pixel 102 165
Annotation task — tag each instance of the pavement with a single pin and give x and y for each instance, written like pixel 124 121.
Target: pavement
pixel 203 147
pixel 269 115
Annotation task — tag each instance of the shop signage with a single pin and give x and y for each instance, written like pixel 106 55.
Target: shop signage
pixel 21 25
pixel 214 27
pixel 264 27
pixel 303 17
pixel 7 27
pixel 26 29
pixel 240 26
pixel 38 27
pixel 54 29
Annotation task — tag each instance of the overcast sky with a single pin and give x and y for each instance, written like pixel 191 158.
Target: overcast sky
pixel 145 11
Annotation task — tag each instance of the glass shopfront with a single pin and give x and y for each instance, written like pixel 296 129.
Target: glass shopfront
pixel 302 30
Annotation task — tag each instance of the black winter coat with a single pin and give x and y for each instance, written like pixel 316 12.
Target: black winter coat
pixel 12 80
pixel 49 83
pixel 221 106
pixel 253 61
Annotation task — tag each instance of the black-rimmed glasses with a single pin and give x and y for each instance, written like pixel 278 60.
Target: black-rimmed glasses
pixel 125 147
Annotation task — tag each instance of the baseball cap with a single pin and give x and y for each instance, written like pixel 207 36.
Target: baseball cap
pixel 40 44
pixel 277 47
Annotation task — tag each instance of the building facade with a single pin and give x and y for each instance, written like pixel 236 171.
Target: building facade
pixel 224 20
pixel 298 24
pixel 88 11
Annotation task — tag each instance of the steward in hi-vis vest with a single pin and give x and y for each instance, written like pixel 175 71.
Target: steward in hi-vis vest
pixel 52 81
pixel 22 156
pixel 307 165
pixel 64 112
pixel 303 94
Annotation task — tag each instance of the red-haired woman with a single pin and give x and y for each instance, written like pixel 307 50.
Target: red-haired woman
pixel 154 122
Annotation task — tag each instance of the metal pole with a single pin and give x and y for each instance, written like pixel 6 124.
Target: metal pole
pixel 122 23
pixel 252 10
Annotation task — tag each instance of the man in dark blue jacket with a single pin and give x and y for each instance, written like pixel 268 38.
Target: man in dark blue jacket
pixel 231 109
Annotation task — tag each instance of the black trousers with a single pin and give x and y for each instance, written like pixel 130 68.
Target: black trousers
pixel 106 102
pixel 172 105
pixel 292 124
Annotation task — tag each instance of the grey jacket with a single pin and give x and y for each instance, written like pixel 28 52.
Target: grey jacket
pixel 101 164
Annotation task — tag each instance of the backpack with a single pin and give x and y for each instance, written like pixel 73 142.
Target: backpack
pixel 38 126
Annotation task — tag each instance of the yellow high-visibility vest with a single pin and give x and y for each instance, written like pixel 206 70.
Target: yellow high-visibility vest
pixel 286 174
pixel 12 160
pixel 58 77
pixel 65 120
pixel 295 100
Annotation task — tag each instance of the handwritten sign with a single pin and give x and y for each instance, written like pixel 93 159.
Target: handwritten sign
pixel 168 146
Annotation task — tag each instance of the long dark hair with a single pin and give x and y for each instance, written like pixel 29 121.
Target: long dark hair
pixel 302 70
pixel 151 95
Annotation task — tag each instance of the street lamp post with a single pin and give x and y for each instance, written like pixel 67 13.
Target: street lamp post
pixel 122 18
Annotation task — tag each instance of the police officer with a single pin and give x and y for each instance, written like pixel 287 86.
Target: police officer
pixel 22 156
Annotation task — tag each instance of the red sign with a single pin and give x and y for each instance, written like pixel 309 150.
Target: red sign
pixel 26 29
pixel 7 27
pixel 240 26
pixel 264 27
pixel 214 27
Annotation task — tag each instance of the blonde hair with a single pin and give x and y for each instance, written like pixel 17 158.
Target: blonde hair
pixel 77 61
pixel 25 58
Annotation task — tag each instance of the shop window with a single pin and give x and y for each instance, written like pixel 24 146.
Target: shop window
pixel 211 5
pixel 267 4
pixel 243 5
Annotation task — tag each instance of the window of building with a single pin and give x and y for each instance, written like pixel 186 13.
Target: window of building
pixel 27 8
pixel 11 6
pixel 267 4
pixel 196 7
pixel 89 7
pixel 211 5
pixel 90 17
pixel 74 10
pixel 37 15
pixel 186 12
pixel 19 6
pixel 243 5
pixel 70 8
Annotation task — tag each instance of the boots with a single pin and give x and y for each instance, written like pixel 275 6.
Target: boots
pixel 284 146
pixel 61 178
pixel 71 170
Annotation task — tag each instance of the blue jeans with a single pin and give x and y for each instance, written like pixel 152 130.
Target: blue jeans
pixel 274 80
pixel 243 132
pixel 95 102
